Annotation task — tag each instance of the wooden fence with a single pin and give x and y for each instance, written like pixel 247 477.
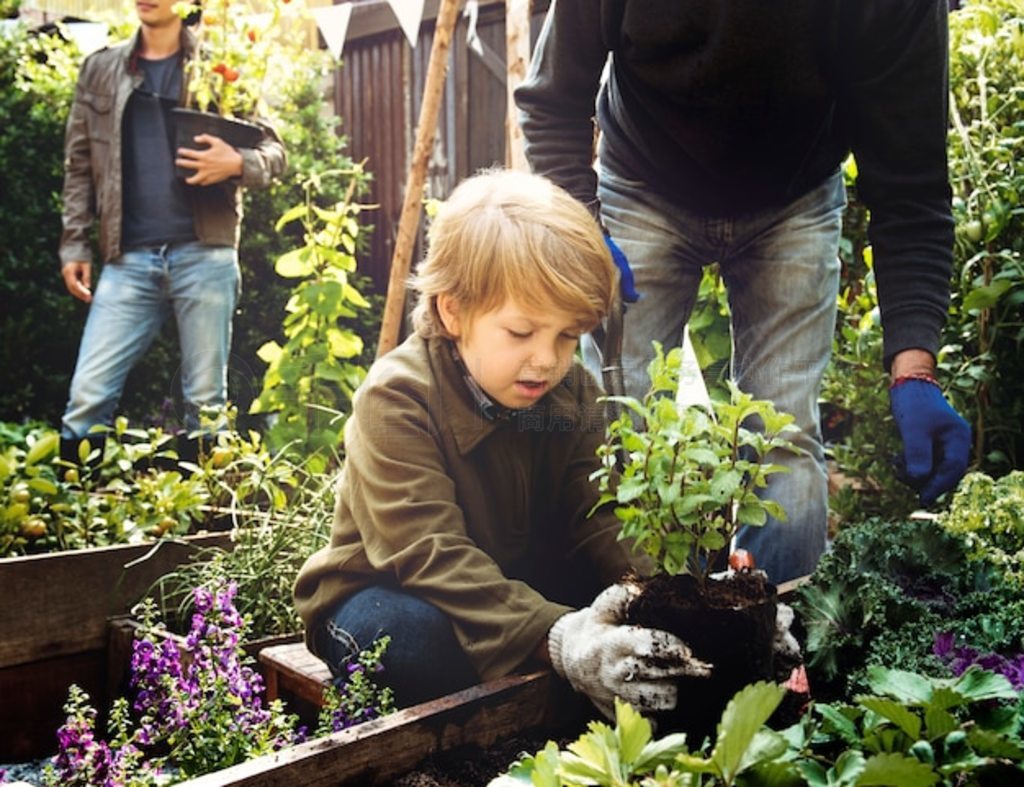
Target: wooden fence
pixel 378 90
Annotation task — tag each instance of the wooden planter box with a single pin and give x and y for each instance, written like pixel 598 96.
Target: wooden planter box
pixel 54 629
pixel 378 751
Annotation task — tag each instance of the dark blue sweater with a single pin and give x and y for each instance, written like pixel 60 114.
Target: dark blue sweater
pixel 725 106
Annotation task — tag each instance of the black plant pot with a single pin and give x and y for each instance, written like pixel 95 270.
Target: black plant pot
pixel 728 623
pixel 188 123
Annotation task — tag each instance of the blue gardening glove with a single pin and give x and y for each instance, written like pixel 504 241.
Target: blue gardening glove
pixel 627 286
pixel 936 440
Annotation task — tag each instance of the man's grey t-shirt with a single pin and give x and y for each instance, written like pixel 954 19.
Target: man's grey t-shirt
pixel 156 209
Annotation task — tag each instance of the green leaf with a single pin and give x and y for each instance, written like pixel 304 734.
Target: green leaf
pixel 905 686
pixel 44 447
pixel 896 770
pixel 724 485
pixel 986 297
pixel 751 515
pixel 977 684
pixel 344 344
pixel 938 722
pixel 269 352
pixel 907 721
pixel 43 485
pixel 849 766
pixel 294 264
pixel 741 721
pixel 632 729
pixel 290 215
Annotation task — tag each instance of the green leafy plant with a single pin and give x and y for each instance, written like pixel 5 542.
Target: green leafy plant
pixel 989 514
pixel 886 589
pixel 262 560
pixel 311 378
pixel 236 45
pixel 686 480
pixel 911 731
pixel 986 147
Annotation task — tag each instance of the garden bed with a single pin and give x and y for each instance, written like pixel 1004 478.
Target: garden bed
pixel 386 750
pixel 54 629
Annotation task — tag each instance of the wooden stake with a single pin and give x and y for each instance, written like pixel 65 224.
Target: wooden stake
pixel 437 69
pixel 517 57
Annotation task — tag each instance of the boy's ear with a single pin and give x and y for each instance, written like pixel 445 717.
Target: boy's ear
pixel 448 311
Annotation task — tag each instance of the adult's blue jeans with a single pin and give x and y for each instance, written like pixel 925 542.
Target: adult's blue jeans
pixel 199 286
pixel 781 271
pixel 423 660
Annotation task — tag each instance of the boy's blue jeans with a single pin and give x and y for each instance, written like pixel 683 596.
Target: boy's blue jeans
pixel 423 660
pixel 781 270
pixel 199 285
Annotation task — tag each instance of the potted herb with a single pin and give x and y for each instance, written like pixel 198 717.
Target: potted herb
pixel 226 75
pixel 685 480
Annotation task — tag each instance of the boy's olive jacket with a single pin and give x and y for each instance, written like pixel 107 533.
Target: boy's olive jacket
pixel 470 514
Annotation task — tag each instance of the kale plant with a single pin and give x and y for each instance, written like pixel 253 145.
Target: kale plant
pixel 883 593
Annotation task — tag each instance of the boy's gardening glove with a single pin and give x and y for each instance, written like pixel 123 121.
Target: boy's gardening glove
pixel 936 440
pixel 603 658
pixel 627 285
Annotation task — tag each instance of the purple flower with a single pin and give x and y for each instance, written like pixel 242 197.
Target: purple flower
pixel 959 657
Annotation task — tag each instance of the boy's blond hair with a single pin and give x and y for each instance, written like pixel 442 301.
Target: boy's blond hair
pixel 506 234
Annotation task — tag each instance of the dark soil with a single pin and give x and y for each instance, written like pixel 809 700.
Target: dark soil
pixel 728 623
pixel 474 766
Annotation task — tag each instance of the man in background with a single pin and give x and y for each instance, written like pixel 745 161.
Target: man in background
pixel 168 245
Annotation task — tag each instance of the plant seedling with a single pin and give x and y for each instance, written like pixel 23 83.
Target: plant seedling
pixel 686 480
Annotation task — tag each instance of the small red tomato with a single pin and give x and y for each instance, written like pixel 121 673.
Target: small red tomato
pixel 220 68
pixel 741 560
pixel 230 74
pixel 252 35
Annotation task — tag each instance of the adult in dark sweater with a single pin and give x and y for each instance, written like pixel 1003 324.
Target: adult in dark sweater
pixel 724 124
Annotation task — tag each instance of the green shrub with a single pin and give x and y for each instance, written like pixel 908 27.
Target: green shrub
pixel 40 322
pixel 985 361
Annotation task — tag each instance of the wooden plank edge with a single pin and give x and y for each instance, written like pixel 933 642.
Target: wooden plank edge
pixel 373 752
pixel 49 592
pixel 787 590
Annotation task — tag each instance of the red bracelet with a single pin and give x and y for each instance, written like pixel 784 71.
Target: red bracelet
pixel 922 376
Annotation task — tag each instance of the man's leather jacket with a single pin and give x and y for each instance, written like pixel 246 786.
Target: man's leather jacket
pixel 93 161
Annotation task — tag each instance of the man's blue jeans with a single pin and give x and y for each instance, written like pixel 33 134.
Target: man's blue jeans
pixel 423 660
pixel 199 285
pixel 781 270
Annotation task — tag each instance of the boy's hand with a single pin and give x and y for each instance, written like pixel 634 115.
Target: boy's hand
pixel 603 658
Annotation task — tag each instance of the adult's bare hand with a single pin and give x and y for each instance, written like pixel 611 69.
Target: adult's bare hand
pixel 78 279
pixel 215 162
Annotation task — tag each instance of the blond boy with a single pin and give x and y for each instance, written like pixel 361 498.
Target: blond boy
pixel 461 526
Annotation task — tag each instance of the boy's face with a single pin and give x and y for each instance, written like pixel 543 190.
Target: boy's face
pixel 515 353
